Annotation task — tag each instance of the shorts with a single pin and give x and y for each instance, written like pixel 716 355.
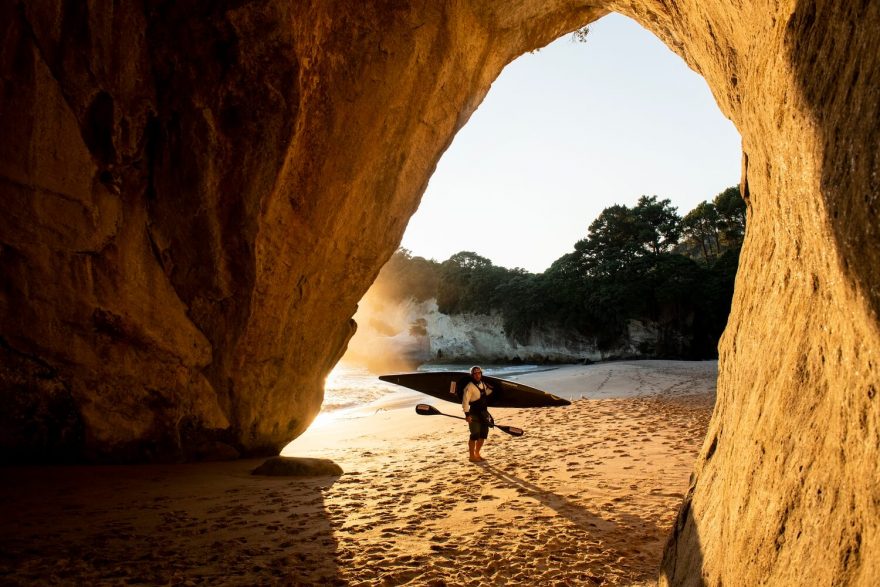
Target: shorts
pixel 479 428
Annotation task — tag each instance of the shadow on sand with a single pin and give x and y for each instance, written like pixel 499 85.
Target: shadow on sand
pixel 615 534
pixel 169 524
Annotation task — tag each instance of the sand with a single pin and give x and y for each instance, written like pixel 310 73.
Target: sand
pixel 586 497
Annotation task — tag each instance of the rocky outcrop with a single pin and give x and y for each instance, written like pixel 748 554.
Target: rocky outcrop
pixel 196 194
pixel 417 332
pixel 482 338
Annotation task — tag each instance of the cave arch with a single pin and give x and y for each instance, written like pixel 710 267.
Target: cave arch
pixel 172 290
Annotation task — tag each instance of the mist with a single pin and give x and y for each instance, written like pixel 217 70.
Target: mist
pixel 390 336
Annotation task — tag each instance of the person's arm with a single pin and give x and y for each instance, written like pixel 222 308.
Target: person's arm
pixel 466 399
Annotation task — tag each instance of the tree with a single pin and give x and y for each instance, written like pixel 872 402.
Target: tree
pixel 659 223
pixel 701 227
pixel 614 241
pixel 404 277
pixel 621 235
pixel 468 283
pixel 715 227
pixel 468 260
pixel 731 210
pixel 523 303
pixel 580 35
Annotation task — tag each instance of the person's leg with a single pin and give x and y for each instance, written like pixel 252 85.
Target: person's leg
pixel 474 428
pixel 477 446
pixel 481 438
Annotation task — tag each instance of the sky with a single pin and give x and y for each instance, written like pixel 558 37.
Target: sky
pixel 565 132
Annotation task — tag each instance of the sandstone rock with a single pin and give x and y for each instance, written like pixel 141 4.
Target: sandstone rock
pixel 298 467
pixel 195 196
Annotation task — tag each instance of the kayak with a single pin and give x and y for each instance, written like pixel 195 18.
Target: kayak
pixel 448 386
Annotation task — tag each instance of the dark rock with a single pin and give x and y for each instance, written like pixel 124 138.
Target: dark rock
pixel 298 467
pixel 213 451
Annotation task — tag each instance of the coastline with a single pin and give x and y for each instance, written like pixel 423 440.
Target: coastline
pixel 615 379
pixel 587 496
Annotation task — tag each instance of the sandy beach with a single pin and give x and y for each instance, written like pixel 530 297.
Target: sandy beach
pixel 586 497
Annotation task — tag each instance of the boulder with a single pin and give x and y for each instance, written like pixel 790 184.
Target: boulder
pixel 298 467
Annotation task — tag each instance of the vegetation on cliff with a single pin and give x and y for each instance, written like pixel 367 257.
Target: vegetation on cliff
pixel 643 263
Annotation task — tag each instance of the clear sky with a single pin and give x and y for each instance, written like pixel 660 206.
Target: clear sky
pixel 565 132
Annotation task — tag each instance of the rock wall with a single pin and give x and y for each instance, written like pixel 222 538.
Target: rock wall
pixel 417 332
pixel 482 338
pixel 195 195
pixel 400 336
pixel 785 491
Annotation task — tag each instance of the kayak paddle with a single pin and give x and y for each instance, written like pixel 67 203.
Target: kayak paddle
pixel 426 410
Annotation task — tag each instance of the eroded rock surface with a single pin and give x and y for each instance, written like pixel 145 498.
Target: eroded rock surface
pixel 195 195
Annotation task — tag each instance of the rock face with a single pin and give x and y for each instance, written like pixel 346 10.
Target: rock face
pixel 298 467
pixel 481 338
pixel 196 194
pixel 417 332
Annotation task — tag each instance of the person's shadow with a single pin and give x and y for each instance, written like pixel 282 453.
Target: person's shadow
pixel 616 534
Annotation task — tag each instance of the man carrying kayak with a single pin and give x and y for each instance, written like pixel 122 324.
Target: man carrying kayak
pixel 475 404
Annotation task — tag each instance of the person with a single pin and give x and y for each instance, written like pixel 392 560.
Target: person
pixel 475 404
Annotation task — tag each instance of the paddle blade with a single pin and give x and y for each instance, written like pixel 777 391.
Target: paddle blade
pixel 426 410
pixel 512 430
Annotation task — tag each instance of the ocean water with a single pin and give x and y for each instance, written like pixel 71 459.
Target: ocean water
pixel 353 391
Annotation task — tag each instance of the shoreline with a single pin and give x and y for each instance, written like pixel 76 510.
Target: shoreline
pixel 553 364
pixel 608 380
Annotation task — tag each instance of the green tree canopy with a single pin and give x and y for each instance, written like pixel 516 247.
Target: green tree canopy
pixel 701 228
pixel 714 227
pixel 659 224
pixel 621 235
pixel 731 210
pixel 405 276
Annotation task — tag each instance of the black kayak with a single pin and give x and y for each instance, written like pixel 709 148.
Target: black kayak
pixel 447 385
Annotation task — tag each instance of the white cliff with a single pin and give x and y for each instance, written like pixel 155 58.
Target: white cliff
pixel 410 333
